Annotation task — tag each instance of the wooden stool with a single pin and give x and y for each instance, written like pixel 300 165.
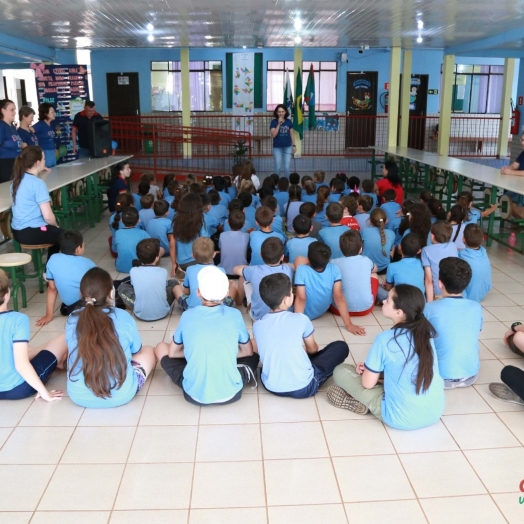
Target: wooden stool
pixel 36 251
pixel 11 262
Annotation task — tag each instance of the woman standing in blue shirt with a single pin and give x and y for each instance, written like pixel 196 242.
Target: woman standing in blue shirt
pixel 33 219
pixel 10 141
pixel 283 139
pixel 45 133
pixel 26 131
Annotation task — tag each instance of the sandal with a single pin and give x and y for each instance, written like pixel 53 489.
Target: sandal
pixel 341 399
pixel 504 393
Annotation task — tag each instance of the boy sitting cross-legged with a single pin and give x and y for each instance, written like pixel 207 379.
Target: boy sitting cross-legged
pixel 264 219
pixel 319 284
pixel 331 235
pixel 288 370
pixel 64 271
pixel 211 355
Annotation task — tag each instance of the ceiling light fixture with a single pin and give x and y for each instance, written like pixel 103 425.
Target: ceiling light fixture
pixel 420 24
pixel 298 39
pixel 419 40
pixel 150 27
pixel 244 47
pixel 298 24
pixel 150 38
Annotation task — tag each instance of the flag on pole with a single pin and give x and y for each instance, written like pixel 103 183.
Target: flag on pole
pixel 309 98
pixel 298 116
pixel 288 94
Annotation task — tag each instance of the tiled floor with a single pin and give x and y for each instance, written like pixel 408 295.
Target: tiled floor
pixel 266 459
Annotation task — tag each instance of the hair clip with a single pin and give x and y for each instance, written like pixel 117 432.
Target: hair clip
pixel 90 301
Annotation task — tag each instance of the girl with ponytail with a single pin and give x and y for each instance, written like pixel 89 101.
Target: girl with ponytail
pixel 33 219
pixel 378 241
pixel 411 393
pixel 107 364
pixel 458 217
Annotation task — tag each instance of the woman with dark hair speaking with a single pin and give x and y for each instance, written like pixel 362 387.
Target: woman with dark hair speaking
pixel 283 139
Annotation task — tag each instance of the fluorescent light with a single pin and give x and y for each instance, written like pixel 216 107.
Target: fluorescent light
pixel 150 27
pixel 419 40
pixel 150 38
pixel 298 24
pixel 420 24
pixel 244 46
pixel 298 39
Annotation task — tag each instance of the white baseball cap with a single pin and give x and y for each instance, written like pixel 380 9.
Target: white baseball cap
pixel 213 284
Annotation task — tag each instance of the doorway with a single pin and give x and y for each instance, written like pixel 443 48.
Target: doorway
pixel 418 103
pixel 123 97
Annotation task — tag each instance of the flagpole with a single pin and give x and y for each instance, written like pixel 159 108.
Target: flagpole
pixel 297 58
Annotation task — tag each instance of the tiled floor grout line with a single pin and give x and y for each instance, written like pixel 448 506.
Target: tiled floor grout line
pixel 262 447
pixel 194 468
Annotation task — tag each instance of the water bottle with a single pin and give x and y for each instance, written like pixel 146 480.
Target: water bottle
pixel 512 239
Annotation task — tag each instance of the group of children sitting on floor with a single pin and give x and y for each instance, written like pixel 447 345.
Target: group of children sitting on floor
pixel 290 259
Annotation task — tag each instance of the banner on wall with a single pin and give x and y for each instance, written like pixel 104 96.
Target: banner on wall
pixel 66 88
pixel 243 91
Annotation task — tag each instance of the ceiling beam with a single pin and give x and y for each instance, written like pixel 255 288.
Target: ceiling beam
pixel 486 43
pixel 25 51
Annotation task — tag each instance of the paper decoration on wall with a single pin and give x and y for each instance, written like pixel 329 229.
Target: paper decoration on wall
pixel 243 91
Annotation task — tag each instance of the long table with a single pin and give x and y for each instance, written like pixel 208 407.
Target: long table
pixel 463 169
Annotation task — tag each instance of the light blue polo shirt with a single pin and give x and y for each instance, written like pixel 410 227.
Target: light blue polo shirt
pixel 277 226
pixel 125 242
pixel 67 271
pixel 256 239
pixel 149 284
pixel 321 216
pixel 431 257
pixel 159 228
pixel 474 216
pixel 458 322
pixel 373 197
pixel 459 242
pixel 308 198
pixel 211 374
pixel 285 364
pixel 363 220
pixel 406 271
pixel 136 201
pixel 282 200
pixel 184 250
pixel 298 246
pixel 129 339
pixel 319 288
pixel 31 192
pixel 331 236
pixel 254 275
pixel 233 250
pixel 356 282
pixel 401 407
pixel 14 327
pixel 290 212
pixel 219 212
pixel 391 209
pixel 211 223
pixel 373 246
pixel 480 284
pixel 191 283
pixel 335 197
pixel 146 215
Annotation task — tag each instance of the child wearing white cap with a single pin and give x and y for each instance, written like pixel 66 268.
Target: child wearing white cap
pixel 211 355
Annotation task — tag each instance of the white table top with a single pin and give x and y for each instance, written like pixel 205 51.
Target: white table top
pixel 480 173
pixel 65 174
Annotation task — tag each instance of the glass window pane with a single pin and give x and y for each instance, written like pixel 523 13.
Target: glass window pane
pixel 461 68
pixel 477 69
pixel 214 91
pixel 479 85
pixel 159 91
pixel 275 65
pixel 158 66
pixel 215 65
pixel 175 66
pixel 196 66
pixel 495 94
pixel 328 66
pixel 275 89
pixel 497 69
pixel 289 65
pixel 327 91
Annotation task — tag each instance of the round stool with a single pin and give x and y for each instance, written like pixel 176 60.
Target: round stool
pixel 38 263
pixel 11 262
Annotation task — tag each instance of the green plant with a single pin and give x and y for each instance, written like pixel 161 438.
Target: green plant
pixel 240 152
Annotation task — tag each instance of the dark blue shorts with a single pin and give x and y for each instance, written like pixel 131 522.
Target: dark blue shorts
pixel 44 364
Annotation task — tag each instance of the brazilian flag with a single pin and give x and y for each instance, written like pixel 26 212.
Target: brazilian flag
pixel 298 115
pixel 309 98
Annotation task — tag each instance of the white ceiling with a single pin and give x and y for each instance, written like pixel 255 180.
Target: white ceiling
pixel 268 23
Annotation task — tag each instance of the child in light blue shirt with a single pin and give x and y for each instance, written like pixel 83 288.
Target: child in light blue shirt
pixel 143 190
pixel 365 205
pixel 458 322
pixel 264 218
pixel 319 284
pixel 233 244
pixel 160 225
pixel 367 190
pixel 337 190
pixel 217 209
pixel 440 248
pixel 391 208
pixel 331 235
pixel 146 213
pixel 299 244
pixel 476 256
pixel 125 240
pixel 378 241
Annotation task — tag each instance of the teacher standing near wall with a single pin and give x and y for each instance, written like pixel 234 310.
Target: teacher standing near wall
pixel 283 139
pixel 45 133
pixel 10 141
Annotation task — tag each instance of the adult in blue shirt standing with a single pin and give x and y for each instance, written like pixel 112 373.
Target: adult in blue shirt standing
pixel 10 141
pixel 283 139
pixel 45 132
pixel 33 219
pixel 26 115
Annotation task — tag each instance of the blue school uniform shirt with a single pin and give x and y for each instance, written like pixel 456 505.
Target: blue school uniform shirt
pixel 256 239
pixel 169 199
pixel 149 284
pixel 391 208
pixel 285 364
pixel 184 250
pixel 129 339
pixel 26 212
pixel 211 336
pixel 459 241
pixel 249 212
pixel 458 322
pixel 233 250
pixel 373 246
pixel 282 200
pixel 146 215
pixel 321 184
pixel 355 273
pixel 401 407
pixel 373 197
pixel 321 216
pixel 334 197
pixel 211 224
pixel 474 216
pixel 67 271
pixel 290 212
pixel 159 228
pixel 120 226
pixel 10 141
pixel 136 201
pixel 406 271
pixel 308 198
pixel 298 246
pixel 45 134
pixel 225 199
pixel 14 327
pixel 28 137
pixel 363 220
pixel 319 288
pixel 254 274
pixel 331 236
pixel 191 283
pixel 219 212
pixel 244 229
pixel 278 227
pixel 480 284
pixel 125 242
pixel 431 257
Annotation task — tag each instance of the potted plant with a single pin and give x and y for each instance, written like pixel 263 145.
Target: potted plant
pixel 240 153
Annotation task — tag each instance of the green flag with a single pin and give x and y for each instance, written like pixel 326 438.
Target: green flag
pixel 298 116
pixel 288 94
pixel 309 98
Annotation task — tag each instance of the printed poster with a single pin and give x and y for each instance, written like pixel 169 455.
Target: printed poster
pixel 243 91
pixel 66 87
